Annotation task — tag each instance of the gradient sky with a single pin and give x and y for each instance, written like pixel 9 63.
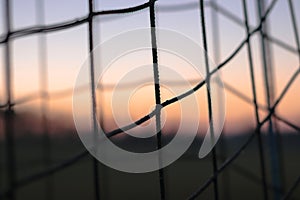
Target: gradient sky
pixel 68 49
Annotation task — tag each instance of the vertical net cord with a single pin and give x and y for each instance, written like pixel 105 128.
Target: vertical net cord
pixel 253 86
pixel 103 170
pixel 93 96
pixel 275 139
pixel 210 114
pixel 9 114
pixel 217 55
pixel 157 98
pixel 100 91
pixel 43 83
pixel 275 171
pixel 296 35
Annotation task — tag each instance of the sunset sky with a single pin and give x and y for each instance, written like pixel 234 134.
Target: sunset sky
pixel 67 50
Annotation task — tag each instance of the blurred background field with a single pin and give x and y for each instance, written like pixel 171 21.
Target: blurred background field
pixel 239 181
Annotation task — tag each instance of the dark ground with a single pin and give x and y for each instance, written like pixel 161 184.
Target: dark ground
pixel 241 180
